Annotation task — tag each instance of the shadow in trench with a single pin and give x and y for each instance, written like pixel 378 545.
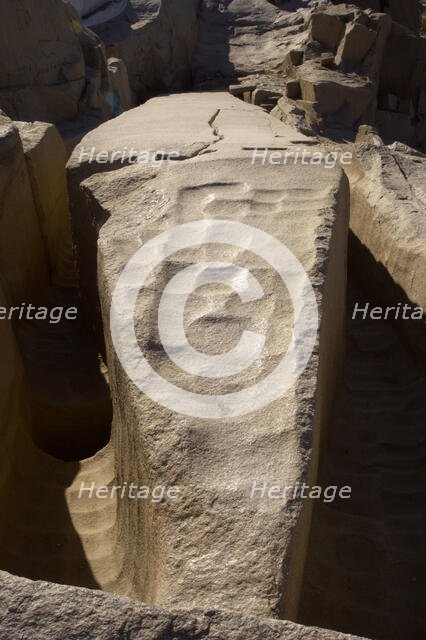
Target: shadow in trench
pixel 38 539
pixel 366 569
pixel 384 291
pixel 70 403
pixel 46 531
pixel 215 27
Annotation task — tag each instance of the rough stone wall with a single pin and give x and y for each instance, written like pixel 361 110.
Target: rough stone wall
pixel 246 37
pixel 402 88
pixel 46 158
pixel 14 409
pixel 43 68
pixel 56 612
pixel 54 404
pixel 387 219
pixel 405 12
pixel 161 31
pixel 20 230
pixel 55 69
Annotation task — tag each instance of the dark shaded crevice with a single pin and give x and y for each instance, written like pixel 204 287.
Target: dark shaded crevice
pixel 38 539
pixel 366 561
pixel 70 403
pixel 46 531
pixel 383 291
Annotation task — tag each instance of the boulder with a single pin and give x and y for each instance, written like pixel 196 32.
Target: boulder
pixel 54 69
pixel 343 99
pixel 292 114
pixel 238 90
pixel 328 24
pixel 328 29
pixel 218 546
pixel 266 98
pixel 339 78
pixel 293 59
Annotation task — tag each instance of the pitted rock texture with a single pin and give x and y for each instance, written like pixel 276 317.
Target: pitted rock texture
pixel 215 546
pixel 43 611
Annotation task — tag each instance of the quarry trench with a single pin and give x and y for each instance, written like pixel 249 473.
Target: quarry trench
pixel 358 554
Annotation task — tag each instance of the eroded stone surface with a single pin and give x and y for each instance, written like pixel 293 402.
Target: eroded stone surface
pixel 53 69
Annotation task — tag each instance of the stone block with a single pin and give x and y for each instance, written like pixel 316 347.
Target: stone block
pixel 388 212
pixel 234 558
pixel 333 92
pixel 327 29
pixel 355 44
